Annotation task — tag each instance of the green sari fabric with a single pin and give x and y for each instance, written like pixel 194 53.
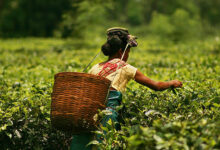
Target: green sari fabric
pixel 114 100
pixel 80 141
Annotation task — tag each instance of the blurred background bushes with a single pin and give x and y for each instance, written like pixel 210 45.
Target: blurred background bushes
pixel 173 19
pixel 20 18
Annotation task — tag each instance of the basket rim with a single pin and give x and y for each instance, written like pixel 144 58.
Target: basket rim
pixel 81 74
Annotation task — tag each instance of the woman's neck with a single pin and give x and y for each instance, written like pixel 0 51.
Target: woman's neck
pixel 110 58
pixel 114 56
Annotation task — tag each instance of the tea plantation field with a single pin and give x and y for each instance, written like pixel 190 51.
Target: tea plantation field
pixel 188 118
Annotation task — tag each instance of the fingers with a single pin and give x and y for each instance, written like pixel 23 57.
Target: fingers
pixel 178 84
pixel 181 84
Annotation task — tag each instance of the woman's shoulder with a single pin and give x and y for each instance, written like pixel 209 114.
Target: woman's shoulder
pixel 130 70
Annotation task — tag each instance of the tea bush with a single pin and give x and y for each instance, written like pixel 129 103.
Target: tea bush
pixel 185 119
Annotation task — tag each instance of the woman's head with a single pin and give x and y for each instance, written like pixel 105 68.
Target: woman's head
pixel 117 40
pixel 113 45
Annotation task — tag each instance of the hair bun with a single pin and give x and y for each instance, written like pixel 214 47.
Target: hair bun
pixel 106 49
pixel 112 45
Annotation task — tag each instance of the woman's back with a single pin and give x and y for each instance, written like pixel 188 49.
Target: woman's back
pixel 115 70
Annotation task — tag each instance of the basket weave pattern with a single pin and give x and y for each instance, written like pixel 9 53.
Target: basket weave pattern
pixel 76 98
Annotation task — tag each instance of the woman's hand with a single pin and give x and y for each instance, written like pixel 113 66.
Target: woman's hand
pixel 176 84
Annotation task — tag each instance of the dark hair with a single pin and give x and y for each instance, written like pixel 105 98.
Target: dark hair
pixel 113 45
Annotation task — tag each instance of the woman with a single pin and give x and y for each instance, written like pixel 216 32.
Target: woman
pixel 117 48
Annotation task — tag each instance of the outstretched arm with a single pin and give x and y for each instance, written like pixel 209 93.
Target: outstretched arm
pixel 156 85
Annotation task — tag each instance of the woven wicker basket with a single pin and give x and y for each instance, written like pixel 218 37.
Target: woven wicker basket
pixel 76 98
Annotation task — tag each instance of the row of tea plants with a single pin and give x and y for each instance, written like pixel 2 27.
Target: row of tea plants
pixel 187 118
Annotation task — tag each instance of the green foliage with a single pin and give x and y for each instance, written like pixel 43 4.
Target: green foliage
pixel 30 18
pixel 178 26
pixel 84 18
pixel 134 13
pixel 160 25
pixel 188 119
pixel 209 10
pixel 77 18
pixel 185 25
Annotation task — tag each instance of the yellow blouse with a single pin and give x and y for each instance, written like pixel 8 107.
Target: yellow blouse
pixel 121 76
